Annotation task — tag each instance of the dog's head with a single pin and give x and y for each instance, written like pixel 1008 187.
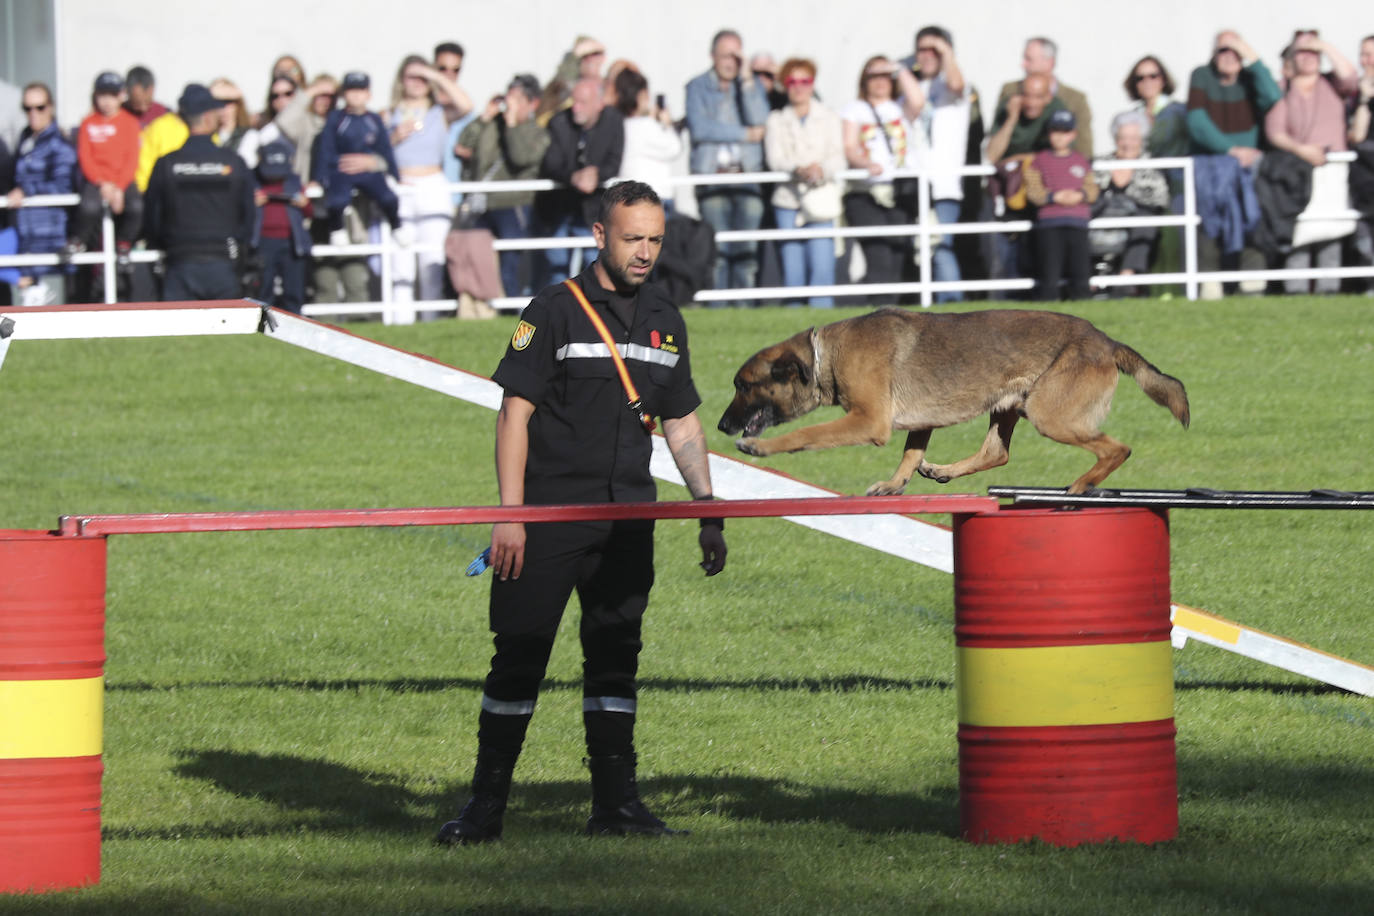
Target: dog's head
pixel 773 386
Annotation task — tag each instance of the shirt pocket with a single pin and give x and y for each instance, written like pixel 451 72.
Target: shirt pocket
pixel 584 377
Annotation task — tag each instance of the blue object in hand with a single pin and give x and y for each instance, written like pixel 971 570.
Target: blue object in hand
pixel 479 565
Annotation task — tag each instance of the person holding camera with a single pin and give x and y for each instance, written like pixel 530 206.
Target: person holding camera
pixel 504 143
pixel 943 121
pixel 652 143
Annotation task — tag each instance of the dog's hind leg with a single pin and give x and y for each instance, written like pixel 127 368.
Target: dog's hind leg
pixel 996 451
pixel 1069 408
pixel 1111 454
pixel 913 455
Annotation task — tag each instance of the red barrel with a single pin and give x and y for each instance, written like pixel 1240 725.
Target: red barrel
pixel 52 661
pixel 1065 677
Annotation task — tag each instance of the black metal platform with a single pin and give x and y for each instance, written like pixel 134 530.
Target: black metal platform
pixel 1194 498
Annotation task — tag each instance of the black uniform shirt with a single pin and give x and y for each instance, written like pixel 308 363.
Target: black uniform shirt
pixel 199 202
pixel 585 443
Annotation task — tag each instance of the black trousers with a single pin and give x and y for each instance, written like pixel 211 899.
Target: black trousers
pixel 279 259
pixel 884 257
pixel 611 567
pixel 1062 252
pixel 91 210
pixel 191 280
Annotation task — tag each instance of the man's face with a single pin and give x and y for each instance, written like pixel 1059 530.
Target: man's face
pixel 1367 55
pixel 587 103
pixel 727 56
pixel 450 65
pixel 38 109
pixel 517 103
pixel 1226 60
pixel 1035 59
pixel 140 97
pixel 928 59
pixel 1035 95
pixel 629 243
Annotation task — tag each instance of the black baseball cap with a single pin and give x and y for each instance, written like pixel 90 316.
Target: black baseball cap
pixel 1062 119
pixel 356 79
pixel 196 100
pixel 109 83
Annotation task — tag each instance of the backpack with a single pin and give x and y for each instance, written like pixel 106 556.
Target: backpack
pixel 687 262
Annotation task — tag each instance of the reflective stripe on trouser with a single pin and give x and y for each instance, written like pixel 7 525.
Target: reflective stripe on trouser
pixel 507 707
pixel 609 704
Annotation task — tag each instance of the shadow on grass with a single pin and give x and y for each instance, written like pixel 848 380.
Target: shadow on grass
pixel 849 683
pixel 321 795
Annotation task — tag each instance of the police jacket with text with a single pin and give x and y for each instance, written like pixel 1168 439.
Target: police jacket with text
pixel 586 445
pixel 199 202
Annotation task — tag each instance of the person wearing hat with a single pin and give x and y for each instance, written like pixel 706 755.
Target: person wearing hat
pixel 1060 183
pixel 280 237
pixel 505 143
pixel 107 150
pixel 199 207
pixel 353 134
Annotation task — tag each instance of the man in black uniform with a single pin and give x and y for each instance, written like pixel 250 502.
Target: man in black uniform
pixel 566 433
pixel 199 207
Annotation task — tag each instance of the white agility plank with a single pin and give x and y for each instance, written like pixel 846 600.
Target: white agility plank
pixel 75 322
pixel 1192 623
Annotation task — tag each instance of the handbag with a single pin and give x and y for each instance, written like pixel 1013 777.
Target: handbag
pixel 631 393
pixel 821 203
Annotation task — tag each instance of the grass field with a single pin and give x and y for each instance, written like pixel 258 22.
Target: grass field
pixel 289 716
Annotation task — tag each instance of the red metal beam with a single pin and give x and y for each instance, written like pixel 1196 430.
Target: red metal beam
pixel 295 519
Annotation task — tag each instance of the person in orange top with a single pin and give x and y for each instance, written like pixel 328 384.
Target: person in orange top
pixel 107 150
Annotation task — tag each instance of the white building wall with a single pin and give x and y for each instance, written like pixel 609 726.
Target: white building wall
pixel 183 41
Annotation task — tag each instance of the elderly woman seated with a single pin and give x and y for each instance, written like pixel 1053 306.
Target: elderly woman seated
pixel 1129 192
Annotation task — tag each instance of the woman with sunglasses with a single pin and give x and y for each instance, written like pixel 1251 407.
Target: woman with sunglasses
pixel 806 139
pixel 419 138
pixel 1151 87
pixel 44 163
pixel 876 138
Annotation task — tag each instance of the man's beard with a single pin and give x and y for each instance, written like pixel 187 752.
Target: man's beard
pixel 621 280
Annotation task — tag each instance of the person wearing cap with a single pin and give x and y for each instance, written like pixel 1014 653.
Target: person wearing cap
pixel 107 149
pixel 506 143
pixel 280 237
pixel 353 152
pixel 199 207
pixel 584 61
pixel 1060 183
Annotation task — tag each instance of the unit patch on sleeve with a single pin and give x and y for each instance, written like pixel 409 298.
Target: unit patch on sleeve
pixel 524 333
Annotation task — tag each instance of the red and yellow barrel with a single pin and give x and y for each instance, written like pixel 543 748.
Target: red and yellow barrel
pixel 52 661
pixel 1065 676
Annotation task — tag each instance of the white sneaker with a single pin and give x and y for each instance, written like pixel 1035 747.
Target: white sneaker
pixel 403 235
pixel 1209 289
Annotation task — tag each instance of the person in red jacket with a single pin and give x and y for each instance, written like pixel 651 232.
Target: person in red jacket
pixel 107 150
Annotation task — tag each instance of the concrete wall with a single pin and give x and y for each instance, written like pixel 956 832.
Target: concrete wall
pixel 184 41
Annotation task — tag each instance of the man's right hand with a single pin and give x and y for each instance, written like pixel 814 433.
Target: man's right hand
pixel 507 550
pixel 1247 156
pixel 1014 107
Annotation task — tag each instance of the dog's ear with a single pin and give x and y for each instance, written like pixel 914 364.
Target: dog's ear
pixel 789 366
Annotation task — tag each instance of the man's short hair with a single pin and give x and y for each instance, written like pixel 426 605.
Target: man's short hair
pixel 936 31
pixel 1047 45
pixel 625 194
pixel 448 47
pixel 724 33
pixel 139 76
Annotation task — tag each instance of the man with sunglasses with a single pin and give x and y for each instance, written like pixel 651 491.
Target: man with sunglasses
pixel 572 429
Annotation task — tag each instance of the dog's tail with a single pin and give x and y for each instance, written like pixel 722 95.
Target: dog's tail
pixel 1164 390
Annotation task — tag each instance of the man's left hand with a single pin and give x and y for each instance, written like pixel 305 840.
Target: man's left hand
pixel 712 540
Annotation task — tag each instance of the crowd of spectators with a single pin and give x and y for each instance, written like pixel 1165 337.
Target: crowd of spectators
pixel 330 167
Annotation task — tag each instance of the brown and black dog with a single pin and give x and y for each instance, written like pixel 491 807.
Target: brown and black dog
pixel 920 371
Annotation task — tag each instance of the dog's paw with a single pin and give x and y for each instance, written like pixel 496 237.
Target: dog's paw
pixel 886 488
pixel 934 472
pixel 751 446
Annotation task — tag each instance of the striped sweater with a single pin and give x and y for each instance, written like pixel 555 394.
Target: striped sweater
pixel 1047 173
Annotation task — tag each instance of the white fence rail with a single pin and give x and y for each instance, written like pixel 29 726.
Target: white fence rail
pixel 922 230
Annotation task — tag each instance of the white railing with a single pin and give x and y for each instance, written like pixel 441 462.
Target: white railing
pixel 923 229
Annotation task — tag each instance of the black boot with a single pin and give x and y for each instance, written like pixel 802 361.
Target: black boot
pixel 480 819
pixel 616 808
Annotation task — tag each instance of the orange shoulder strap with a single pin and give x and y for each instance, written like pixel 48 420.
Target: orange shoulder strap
pixel 636 405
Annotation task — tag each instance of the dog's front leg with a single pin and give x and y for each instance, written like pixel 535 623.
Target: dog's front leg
pixel 913 455
pixel 853 428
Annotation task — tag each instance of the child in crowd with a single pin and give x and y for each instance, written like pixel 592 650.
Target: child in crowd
pixel 107 150
pixel 1061 184
pixel 347 133
pixel 281 239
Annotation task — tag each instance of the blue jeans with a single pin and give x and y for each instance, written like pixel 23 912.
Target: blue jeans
pixel 558 261
pixel 807 262
pixel 509 223
pixel 942 260
pixel 726 208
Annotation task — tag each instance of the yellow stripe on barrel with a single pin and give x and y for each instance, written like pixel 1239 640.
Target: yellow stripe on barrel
pixel 51 718
pixel 1065 685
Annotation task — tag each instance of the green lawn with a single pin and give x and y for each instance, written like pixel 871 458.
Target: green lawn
pixel 290 715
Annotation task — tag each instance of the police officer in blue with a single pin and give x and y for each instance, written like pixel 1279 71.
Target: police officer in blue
pixel 571 430
pixel 199 207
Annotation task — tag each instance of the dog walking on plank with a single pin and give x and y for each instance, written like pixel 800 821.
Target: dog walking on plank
pixel 921 371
